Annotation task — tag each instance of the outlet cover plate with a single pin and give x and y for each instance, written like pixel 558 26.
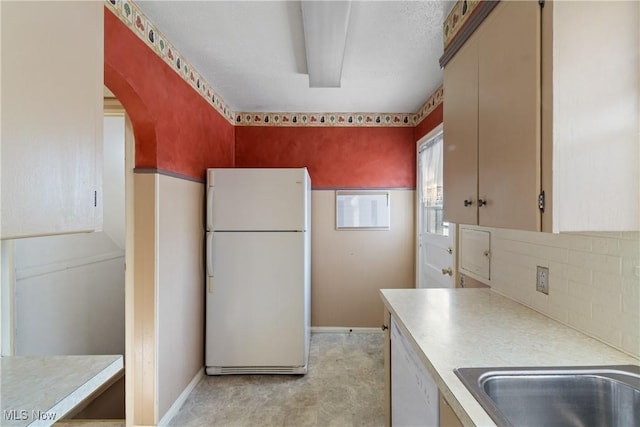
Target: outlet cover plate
pixel 542 280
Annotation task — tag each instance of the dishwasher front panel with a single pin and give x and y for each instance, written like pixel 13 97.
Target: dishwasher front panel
pixel 414 394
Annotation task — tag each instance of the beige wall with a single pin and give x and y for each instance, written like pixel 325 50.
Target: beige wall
pixel 141 342
pixel 168 295
pixel 594 283
pixel 348 268
pixel 180 290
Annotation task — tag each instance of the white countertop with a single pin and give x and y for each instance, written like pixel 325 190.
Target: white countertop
pixel 40 390
pixel 453 328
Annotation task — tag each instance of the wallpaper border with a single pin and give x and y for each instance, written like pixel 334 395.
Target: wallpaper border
pixel 132 16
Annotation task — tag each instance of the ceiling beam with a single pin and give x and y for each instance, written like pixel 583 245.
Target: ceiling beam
pixel 326 24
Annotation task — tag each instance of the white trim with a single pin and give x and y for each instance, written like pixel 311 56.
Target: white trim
pixel 156 300
pixel 107 374
pixel 175 408
pixel 418 211
pixel 129 282
pixel 343 330
pixel 8 280
pixel 29 272
pixel 422 141
pixel 433 132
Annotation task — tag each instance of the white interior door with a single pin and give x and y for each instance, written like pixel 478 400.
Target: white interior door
pixel 437 256
pixel 436 239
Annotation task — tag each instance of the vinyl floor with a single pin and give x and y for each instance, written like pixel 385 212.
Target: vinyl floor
pixel 344 387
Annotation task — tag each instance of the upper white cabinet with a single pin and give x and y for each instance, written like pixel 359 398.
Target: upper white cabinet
pixel 52 86
pixel 546 102
pixel 460 144
pixel 593 143
pixel 492 122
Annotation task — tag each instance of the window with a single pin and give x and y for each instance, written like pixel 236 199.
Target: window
pixel 430 169
pixel 362 210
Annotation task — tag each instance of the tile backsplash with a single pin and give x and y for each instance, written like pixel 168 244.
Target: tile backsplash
pixel 594 279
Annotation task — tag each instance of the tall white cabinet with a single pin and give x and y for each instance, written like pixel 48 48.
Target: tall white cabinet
pixel 51 90
pixel 491 164
pixel 593 116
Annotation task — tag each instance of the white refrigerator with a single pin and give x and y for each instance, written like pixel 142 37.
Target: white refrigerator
pixel 258 303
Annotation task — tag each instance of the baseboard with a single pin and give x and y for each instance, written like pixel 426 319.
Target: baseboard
pixel 173 410
pixel 343 330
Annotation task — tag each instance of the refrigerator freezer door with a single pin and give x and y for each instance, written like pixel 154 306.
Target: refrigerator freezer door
pixel 256 310
pixel 258 199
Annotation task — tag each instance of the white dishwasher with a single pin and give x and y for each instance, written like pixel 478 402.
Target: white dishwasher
pixel 414 394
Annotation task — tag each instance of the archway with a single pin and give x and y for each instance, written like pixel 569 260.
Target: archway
pixel 140 281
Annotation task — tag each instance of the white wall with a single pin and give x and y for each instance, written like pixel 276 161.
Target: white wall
pixel 596 115
pixel 167 316
pixel 113 182
pixel 69 289
pixel 594 279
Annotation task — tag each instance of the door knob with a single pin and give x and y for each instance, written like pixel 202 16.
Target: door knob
pixel 447 271
pixel 482 202
pixel 468 203
pixel 449 250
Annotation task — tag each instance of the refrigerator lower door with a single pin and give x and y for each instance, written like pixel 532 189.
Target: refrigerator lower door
pixel 257 318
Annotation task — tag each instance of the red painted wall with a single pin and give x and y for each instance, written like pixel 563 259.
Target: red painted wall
pixel 428 123
pixel 345 157
pixel 176 130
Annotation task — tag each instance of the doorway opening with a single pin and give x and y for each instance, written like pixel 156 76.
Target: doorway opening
pixel 65 294
pixel 436 238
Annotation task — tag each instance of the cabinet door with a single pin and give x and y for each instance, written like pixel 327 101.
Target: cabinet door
pixel 509 116
pixel 460 155
pixel 52 79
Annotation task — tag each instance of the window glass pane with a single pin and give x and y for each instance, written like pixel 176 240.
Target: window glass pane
pixel 362 209
pixel 430 162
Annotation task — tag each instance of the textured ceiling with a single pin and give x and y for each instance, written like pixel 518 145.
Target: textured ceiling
pixel 252 53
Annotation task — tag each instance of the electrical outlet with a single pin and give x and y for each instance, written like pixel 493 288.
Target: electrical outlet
pixel 542 280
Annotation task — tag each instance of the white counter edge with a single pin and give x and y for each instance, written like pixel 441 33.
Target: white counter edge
pixel 72 400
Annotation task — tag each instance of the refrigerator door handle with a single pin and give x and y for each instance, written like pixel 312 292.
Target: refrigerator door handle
pixel 209 254
pixel 210 208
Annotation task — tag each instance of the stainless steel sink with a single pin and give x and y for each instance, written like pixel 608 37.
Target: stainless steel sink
pixel 574 396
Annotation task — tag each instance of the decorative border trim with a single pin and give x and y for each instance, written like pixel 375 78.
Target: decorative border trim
pixel 324 119
pixel 457 18
pixel 133 17
pixel 476 18
pixel 427 108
